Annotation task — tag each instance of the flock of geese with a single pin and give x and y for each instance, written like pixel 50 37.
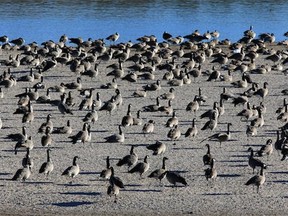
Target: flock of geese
pixel 175 65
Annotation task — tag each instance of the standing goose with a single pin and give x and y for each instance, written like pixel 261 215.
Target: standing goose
pixel 192 131
pixel 194 105
pixel 22 174
pixel 148 127
pixel 221 137
pixel 207 158
pixel 62 106
pixel 28 143
pixel 257 180
pixel 266 149
pixel 106 173
pixel 283 117
pixel 157 148
pixel 129 160
pixel 174 133
pixel 98 102
pixel 81 136
pixel 116 137
pixel 211 173
pixel 211 112
pixel 212 123
pixel 87 102
pixel 258 122
pixel 171 122
pixel 138 120
pixel 47 167
pixel 27 160
pixel 115 184
pixel 46 139
pixel 46 124
pixel 72 171
pixel 67 129
pixel 91 116
pixel 254 162
pixel 173 178
pixel 28 117
pixel 158 172
pixel 128 119
pixel 141 167
pixel 246 113
pixel 109 106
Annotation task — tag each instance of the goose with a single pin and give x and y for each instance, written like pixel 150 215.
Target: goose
pixel 257 180
pixel 27 78
pixel 241 83
pixel 67 129
pixel 46 124
pixel 116 137
pixel 106 173
pixel 27 160
pixel 46 139
pixel 251 130
pixel 283 117
pixel 220 108
pixel 138 120
pixel 211 112
pixel 113 37
pixel 157 148
pixel 153 86
pixel 22 174
pixel 87 102
pixel 18 137
pixel 18 41
pixel 118 98
pixel 262 92
pixel 281 109
pixel 214 75
pixel 169 95
pixel 158 172
pixel 28 117
pixel 8 83
pixel 173 178
pixel 110 85
pixel 81 136
pixel 62 106
pixel 152 107
pixel 113 190
pixel 33 96
pixel 246 113
pixel 171 122
pixel 140 93
pixel 276 57
pixel 240 100
pixel 167 109
pixel 129 160
pixel 47 167
pixel 92 73
pixel 254 162
pixel 211 172
pixel 91 116
pixel 109 106
pixel 75 85
pixel 207 158
pixel 192 131
pixel 212 123
pixel 128 119
pixel 226 77
pixel 201 98
pixel 176 82
pixel 58 88
pixel 44 98
pixel 284 150
pixel 115 184
pixel 221 137
pixel 266 149
pixel 28 143
pixel 140 167
pixel 194 105
pixel 258 122
pixel 174 133
pixel 280 142
pixel 117 72
pixel 72 171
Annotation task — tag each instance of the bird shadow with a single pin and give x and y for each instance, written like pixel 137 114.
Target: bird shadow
pixel 142 190
pixel 216 194
pixel 90 173
pixel 73 185
pixel 228 175
pixel 82 193
pixel 185 148
pixel 280 181
pixel 72 204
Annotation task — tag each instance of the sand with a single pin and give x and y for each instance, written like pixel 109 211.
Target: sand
pixel 87 195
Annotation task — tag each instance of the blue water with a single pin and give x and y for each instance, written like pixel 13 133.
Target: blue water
pixel 43 20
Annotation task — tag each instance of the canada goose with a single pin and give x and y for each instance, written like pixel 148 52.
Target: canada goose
pixel 266 149
pixel 47 167
pixel 201 98
pixel 27 160
pixel 212 123
pixel 22 174
pixel 258 122
pixel 91 116
pixel 158 172
pixel 46 124
pixel 240 100
pixel 262 92
pixel 211 172
pixel 117 72
pixel 207 158
pixel 63 130
pixel 284 150
pixel 246 113
pixel 254 162
pixel 167 109
pixel 194 105
pixel 174 133
pixel 128 119
pixel 44 98
pixel 169 95
pixel 116 137
pixel 173 178
pixel 221 137
pixel 283 117
pixel 157 148
pixel 153 86
pixel 281 109
pixel 87 102
pixel 81 136
pixel 92 72
pixel 140 93
pixel 171 122
pixel 152 107
pixel 276 57
pixel 106 173
pixel 113 37
pixel 18 41
pixel 138 120
pixel 110 85
pixel 72 171
pixel 257 180
pixel 46 139
pixel 27 78
pixel 140 167
pixel 220 108
pixel 176 82
pixel 129 160
pixel 241 83
pixel 192 131
pixel 62 106
pixel 27 143
pixel 118 98
pixel 280 142
pixel 8 83
pixel 75 85
pixel 113 190
pixel 58 88
pixel 214 75
pixel 115 184
pixel 28 117
pixel 211 112
pixel 109 106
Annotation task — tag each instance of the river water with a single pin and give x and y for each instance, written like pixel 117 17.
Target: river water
pixel 43 20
